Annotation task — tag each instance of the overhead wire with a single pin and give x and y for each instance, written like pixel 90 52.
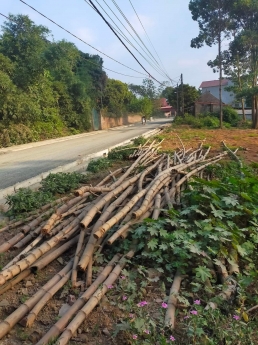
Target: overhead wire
pixel 89 61
pixel 100 14
pixel 123 35
pixel 149 38
pixel 70 33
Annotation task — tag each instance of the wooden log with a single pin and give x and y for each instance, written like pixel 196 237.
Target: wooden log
pixel 15 281
pixel 157 209
pixel 63 321
pixel 93 301
pixel 28 238
pixel 19 313
pixel 172 301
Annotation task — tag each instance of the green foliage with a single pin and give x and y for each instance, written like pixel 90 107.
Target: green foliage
pixel 200 121
pixel 97 165
pixel 191 94
pixel 121 153
pixel 61 183
pixel 142 105
pixel 230 116
pixel 26 200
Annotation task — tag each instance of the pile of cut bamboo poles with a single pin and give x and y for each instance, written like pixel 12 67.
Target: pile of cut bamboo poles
pixel 85 224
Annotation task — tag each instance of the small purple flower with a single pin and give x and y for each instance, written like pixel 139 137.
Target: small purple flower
pixel 198 302
pixel 186 317
pixel 142 304
pixel 146 331
pixel 172 338
pixel 110 286
pixel 124 298
pixel 236 317
pixel 194 312
pixel 123 277
pixel 131 316
pixel 164 305
pixel 135 336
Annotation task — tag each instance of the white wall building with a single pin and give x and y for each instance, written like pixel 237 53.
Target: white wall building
pixel 212 86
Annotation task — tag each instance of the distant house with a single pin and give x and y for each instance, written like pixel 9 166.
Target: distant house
pixel 167 109
pixel 212 87
pixel 207 103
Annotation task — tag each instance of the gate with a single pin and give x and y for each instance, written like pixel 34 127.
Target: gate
pixel 95 120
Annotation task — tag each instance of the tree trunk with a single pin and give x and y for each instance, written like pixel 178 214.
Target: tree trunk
pixel 220 84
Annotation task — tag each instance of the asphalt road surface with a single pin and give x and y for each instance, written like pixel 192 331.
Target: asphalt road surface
pixel 20 163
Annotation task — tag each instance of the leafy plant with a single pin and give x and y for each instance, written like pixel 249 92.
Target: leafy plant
pixel 99 164
pixel 26 200
pixel 61 183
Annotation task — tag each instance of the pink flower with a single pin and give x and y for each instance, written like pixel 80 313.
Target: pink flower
pixel 135 336
pixel 146 331
pixel 110 286
pixel 164 305
pixel 186 317
pixel 194 312
pixel 172 338
pixel 131 315
pixel 124 298
pixel 142 304
pixel 236 317
pixel 123 277
pixel 198 302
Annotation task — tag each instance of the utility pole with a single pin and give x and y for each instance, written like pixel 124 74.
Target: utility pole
pixel 183 98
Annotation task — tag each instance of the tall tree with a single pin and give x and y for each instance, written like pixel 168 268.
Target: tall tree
pixel 214 23
pixel 245 14
pixel 174 96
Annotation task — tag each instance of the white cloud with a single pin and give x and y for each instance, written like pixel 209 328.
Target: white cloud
pixel 147 22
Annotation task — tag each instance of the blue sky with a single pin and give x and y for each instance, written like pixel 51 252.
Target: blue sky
pixel 168 24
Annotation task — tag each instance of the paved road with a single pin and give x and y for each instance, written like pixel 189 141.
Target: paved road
pixel 20 163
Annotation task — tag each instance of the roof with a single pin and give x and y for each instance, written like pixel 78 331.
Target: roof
pixel 213 83
pixel 164 103
pixel 208 98
pixel 168 108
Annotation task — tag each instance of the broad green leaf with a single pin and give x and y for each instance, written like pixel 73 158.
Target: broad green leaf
pixel 203 273
pixel 153 244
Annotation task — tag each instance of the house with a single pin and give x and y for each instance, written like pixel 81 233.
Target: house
pixel 207 103
pixel 167 109
pixel 212 87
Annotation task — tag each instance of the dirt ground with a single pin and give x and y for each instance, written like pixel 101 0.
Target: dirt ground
pixel 244 139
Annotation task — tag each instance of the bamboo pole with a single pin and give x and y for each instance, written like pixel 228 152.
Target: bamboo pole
pixel 93 301
pixel 19 313
pixel 157 210
pixel 38 265
pixel 76 257
pixel 47 297
pixel 97 207
pixel 28 238
pixel 63 321
pixel 7 245
pixel 114 220
pixel 172 300
pixel 89 273
pixel 15 281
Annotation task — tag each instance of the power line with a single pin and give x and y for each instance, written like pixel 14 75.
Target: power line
pixel 91 62
pixel 123 35
pixel 148 37
pixel 145 51
pixel 121 12
pixel 122 41
pixel 70 33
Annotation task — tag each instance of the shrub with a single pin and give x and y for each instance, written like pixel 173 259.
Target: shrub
pixel 26 200
pixel 97 165
pixel 121 153
pixel 61 183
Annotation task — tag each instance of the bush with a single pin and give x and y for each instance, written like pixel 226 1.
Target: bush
pixel 230 116
pixel 121 153
pixel 26 200
pixel 61 183
pixel 202 121
pixel 98 165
